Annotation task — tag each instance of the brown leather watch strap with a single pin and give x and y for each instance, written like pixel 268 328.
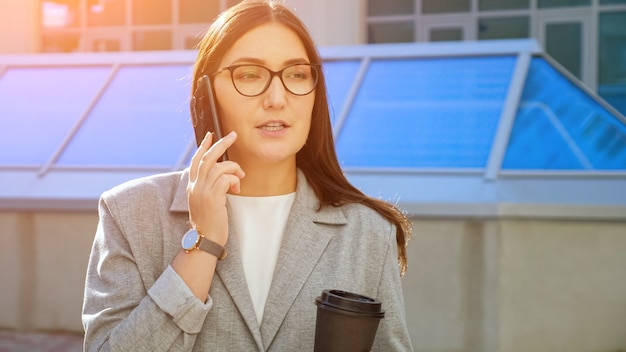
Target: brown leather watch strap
pixel 212 248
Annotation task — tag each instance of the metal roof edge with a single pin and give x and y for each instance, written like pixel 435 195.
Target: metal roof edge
pixel 49 204
pixel 582 86
pixel 422 210
pixel 529 211
pixel 392 50
pixel 430 49
pixel 563 211
pixel 100 58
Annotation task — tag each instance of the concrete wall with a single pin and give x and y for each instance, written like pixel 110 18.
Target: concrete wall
pixel 43 260
pixel 517 285
pixel 444 284
pixel 562 286
pixel 472 285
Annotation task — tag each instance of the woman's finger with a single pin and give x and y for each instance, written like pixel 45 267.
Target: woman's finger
pixel 209 179
pixel 228 182
pixel 197 156
pixel 219 147
pixel 209 158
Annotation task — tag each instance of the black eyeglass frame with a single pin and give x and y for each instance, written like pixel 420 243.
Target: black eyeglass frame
pixel 232 68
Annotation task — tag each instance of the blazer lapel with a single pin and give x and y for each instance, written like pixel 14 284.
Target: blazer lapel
pixel 229 270
pixel 303 245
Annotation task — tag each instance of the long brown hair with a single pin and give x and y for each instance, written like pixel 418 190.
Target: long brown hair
pixel 317 159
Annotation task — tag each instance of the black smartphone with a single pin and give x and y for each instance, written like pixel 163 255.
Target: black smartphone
pixel 204 113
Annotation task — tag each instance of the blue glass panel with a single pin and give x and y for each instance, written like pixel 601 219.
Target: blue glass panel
pixel 536 143
pixel 339 76
pixel 143 119
pixel 39 106
pixel 614 94
pixel 439 112
pixel 559 126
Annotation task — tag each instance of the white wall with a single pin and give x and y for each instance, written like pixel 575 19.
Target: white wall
pixel 19 26
pixel 330 22
pixel 336 22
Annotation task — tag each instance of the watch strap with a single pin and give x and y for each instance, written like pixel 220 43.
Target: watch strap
pixel 212 248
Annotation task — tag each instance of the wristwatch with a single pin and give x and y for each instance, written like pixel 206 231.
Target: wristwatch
pixel 193 240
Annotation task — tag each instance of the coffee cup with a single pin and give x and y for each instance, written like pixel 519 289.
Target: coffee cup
pixel 346 321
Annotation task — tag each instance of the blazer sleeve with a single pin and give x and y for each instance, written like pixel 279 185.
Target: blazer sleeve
pixel 119 312
pixel 392 334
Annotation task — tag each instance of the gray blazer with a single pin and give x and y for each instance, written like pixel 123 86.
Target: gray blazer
pixel 134 301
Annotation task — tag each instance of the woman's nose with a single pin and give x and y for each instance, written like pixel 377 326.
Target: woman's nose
pixel 275 96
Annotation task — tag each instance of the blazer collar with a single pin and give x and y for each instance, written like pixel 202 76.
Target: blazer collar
pixel 179 201
pixel 305 198
pixel 303 245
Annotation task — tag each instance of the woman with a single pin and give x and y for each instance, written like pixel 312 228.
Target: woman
pixel 276 224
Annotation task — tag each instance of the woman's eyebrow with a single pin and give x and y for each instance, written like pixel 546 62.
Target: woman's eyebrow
pixel 296 61
pixel 254 60
pixel 248 60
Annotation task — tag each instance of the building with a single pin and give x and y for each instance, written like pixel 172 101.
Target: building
pixel 587 37
pixel 513 171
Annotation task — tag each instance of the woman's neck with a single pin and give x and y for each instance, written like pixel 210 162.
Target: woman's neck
pixel 268 180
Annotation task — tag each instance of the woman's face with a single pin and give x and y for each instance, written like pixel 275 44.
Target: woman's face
pixel 273 126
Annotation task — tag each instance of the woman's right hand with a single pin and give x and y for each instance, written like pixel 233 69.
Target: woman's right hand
pixel 209 181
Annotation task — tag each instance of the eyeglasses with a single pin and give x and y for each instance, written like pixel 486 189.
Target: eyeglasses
pixel 251 80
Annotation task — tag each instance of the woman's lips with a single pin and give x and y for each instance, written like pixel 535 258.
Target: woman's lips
pixel 273 126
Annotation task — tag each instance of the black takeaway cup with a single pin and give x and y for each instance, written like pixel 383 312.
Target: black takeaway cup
pixel 346 321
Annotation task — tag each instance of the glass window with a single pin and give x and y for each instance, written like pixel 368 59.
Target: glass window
pixel 445 34
pixel 390 7
pixel 563 3
pixel 152 12
pixel 60 43
pixel 564 44
pixel 39 107
pixel 339 77
pixel 536 143
pixel 231 3
pixel 439 6
pixel 487 5
pixel 393 32
pixel 503 28
pixel 142 119
pixel 152 40
pixel 436 112
pixel 612 59
pixel 194 11
pixel 191 42
pixel 106 13
pixel 60 14
pixel 560 127
pixel 108 44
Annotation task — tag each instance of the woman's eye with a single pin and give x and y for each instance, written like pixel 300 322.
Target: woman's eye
pixel 247 73
pixel 297 75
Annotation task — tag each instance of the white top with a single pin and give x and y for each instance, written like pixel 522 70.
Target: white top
pixel 259 224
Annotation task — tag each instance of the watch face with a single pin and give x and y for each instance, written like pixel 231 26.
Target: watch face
pixel 190 239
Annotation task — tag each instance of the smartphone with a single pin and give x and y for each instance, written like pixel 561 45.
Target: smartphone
pixel 204 113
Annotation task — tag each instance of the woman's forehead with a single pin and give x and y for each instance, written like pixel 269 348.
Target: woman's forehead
pixel 271 44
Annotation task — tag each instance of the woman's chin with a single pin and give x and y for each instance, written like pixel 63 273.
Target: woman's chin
pixel 275 157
